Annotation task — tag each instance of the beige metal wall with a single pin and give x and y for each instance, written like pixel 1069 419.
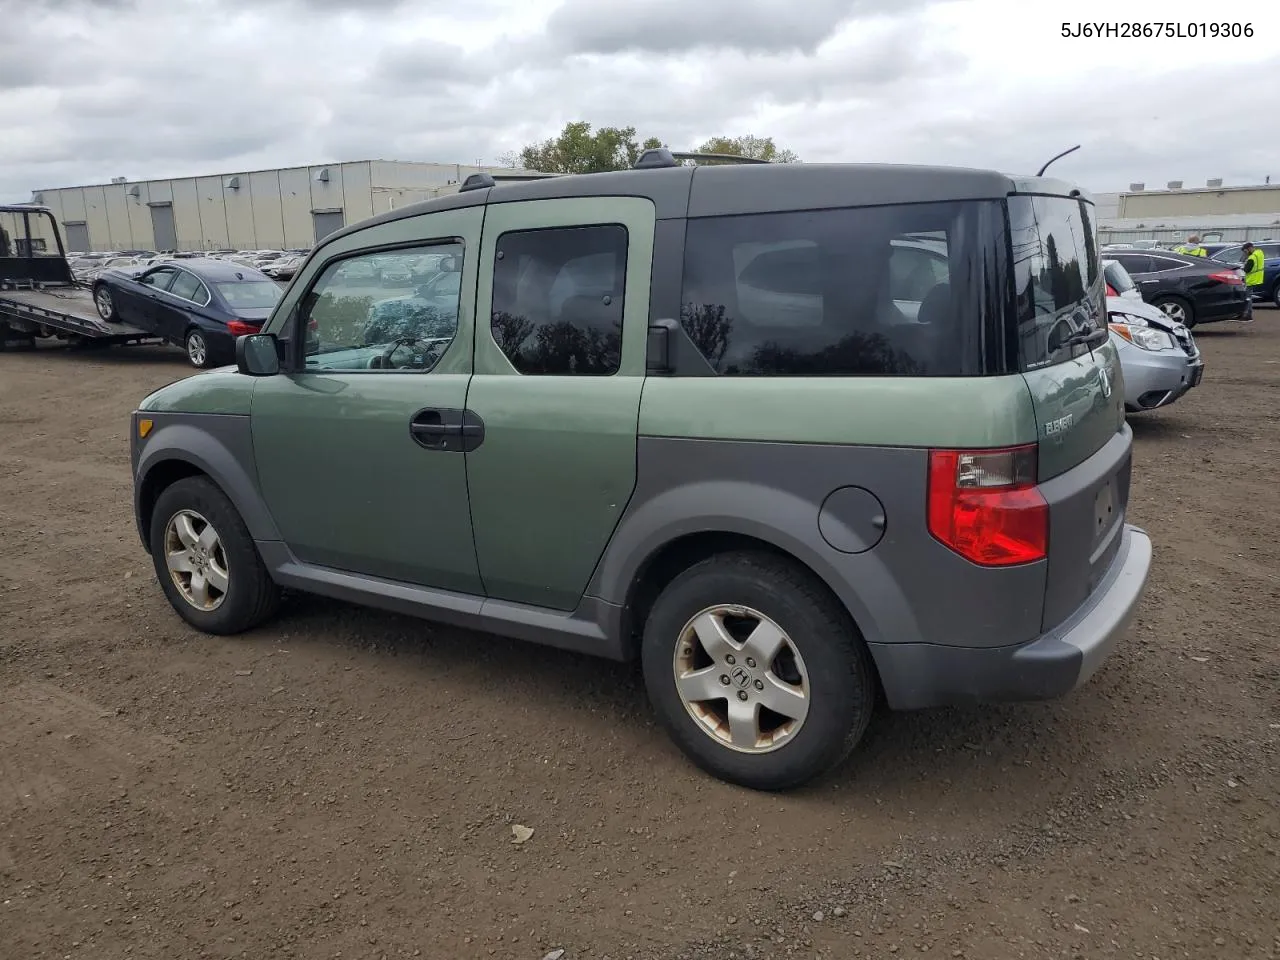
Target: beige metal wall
pixel 267 209
pixel 1193 203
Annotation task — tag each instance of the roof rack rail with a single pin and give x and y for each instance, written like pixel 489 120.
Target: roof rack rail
pixel 477 181
pixel 657 157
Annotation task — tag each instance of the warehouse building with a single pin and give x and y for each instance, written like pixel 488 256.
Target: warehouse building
pixel 1214 212
pixel 288 208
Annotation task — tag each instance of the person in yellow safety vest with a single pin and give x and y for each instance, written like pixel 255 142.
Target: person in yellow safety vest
pixel 1192 247
pixel 1253 267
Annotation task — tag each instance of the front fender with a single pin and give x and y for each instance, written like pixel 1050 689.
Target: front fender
pixel 218 445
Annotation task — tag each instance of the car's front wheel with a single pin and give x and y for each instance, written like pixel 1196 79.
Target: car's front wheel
pixel 105 305
pixel 206 561
pixel 756 671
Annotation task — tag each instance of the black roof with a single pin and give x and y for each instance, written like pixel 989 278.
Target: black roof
pixel 213 270
pixel 1185 259
pixel 731 188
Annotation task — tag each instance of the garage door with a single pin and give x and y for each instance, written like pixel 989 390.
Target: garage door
pixel 326 222
pixel 77 237
pixel 165 231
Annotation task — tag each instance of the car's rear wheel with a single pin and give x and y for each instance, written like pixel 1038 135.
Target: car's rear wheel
pixel 105 305
pixel 197 348
pixel 1177 309
pixel 1275 295
pixel 206 560
pixel 756 671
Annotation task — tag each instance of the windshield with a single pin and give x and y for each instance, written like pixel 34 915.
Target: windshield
pixel 250 294
pixel 1118 277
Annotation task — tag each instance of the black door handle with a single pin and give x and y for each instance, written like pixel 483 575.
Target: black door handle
pixel 448 429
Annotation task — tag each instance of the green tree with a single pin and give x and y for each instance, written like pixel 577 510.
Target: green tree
pixel 748 145
pixel 579 150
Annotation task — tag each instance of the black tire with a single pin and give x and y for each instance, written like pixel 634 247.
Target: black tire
pixel 107 310
pixel 251 596
pixel 203 358
pixel 1275 295
pixel 1182 302
pixel 842 685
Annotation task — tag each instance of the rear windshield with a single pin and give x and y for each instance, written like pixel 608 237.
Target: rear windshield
pixel 1118 277
pixel 897 290
pixel 250 294
pixel 1058 286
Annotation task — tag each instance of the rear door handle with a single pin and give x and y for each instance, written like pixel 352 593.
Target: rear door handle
pixel 448 429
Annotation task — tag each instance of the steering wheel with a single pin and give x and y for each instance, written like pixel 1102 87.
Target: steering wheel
pixel 429 356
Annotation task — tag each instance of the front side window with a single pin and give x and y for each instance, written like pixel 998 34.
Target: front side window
pixel 159 279
pixel 1057 276
pixel 902 290
pixel 358 320
pixel 1228 255
pixel 558 298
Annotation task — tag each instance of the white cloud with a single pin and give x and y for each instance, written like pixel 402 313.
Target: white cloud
pixel 91 89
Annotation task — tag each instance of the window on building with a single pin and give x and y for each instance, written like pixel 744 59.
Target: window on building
pixel 558 298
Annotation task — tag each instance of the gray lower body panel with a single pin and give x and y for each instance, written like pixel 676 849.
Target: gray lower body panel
pixel 920 675
pixel 592 628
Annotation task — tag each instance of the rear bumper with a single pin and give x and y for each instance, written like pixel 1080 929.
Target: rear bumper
pixel 1235 307
pixel 919 675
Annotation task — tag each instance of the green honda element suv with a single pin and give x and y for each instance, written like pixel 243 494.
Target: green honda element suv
pixel 800 437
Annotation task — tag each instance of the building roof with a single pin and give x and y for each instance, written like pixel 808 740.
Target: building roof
pixel 496 171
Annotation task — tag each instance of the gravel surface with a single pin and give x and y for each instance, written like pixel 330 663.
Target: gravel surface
pixel 345 783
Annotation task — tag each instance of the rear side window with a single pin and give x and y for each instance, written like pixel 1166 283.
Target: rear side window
pixel 904 290
pixel 1057 276
pixel 557 299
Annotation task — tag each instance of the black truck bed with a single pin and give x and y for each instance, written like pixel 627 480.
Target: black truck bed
pixel 66 310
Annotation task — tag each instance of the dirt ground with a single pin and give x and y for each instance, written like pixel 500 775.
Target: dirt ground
pixel 343 783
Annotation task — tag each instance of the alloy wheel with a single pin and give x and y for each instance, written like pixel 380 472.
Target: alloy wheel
pixel 741 678
pixel 102 300
pixel 196 560
pixel 197 349
pixel 1174 311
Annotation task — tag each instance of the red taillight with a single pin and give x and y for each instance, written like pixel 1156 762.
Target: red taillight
pixel 1227 276
pixel 238 328
pixel 1111 291
pixel 984 505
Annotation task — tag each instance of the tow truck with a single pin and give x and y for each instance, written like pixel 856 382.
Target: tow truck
pixel 40 298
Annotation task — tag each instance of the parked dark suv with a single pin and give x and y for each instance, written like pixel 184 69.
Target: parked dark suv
pixel 798 436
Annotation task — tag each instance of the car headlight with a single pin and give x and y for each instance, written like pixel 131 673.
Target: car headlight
pixel 1140 335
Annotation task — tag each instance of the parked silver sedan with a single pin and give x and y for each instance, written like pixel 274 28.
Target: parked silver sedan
pixel 1158 356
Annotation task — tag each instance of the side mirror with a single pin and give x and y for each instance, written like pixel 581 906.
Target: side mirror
pixel 257 355
pixel 659 355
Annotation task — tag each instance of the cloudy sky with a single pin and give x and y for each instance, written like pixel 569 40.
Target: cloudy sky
pixel 92 89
